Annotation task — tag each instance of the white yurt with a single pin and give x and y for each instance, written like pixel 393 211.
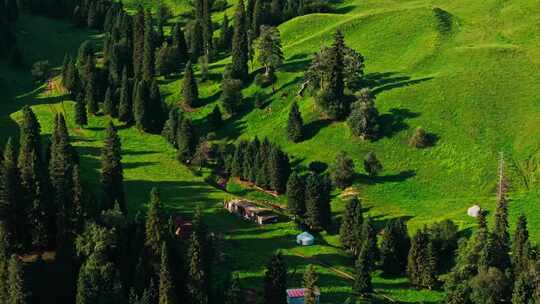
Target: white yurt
pixel 474 211
pixel 305 239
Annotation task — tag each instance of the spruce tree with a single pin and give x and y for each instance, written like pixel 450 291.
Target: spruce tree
pixel 179 45
pixel 17 293
pixel 317 197
pixel 78 204
pixel 140 106
pixel 187 141
pixel 521 246
pixel 331 98
pixel 156 108
pixel 523 288
pixel 81 116
pixel 269 46
pixel 125 107
pixel 109 104
pixel 239 68
pixel 364 118
pixel 60 168
pixel 231 97
pixel 295 194
pixel 280 170
pixel 171 126
pixel 196 42
pixel 148 70
pixel 138 42
pixel 342 170
pixel 310 285
pixel 190 91
pixel 362 282
pixel 275 281
pixel 198 276
pixel 295 124
pixel 167 294
pixel 208 32
pixel 155 224
pixel 420 262
pixel 351 225
pixel 90 96
pixel 4 258
pixel 276 12
pixel 394 247
pixel 372 165
pixel 225 34
pixel 112 178
pixel 369 240
pixel 11 209
pixel 258 18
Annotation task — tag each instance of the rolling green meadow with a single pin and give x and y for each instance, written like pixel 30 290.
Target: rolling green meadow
pixel 469 75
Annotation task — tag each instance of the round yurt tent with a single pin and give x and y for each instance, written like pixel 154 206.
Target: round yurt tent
pixel 305 239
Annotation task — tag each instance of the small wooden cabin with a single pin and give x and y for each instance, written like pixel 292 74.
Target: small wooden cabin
pixel 251 212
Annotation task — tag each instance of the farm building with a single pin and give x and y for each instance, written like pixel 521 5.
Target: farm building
pixel 296 295
pixel 305 239
pixel 251 212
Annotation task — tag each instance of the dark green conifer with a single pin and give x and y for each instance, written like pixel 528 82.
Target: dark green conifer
pixel 362 281
pixel 521 254
pixel 420 262
pixel 187 141
pixel 11 213
pixel 140 106
pixel 310 285
pixel 295 194
pixel 190 91
pixel 171 126
pixel 148 71
pixel 138 42
pixel 234 294
pixel 112 178
pixel 225 34
pixel 280 169
pixel 239 68
pixel 81 116
pixel 295 124
pixel 342 170
pixel 364 118
pixel 351 223
pixel 167 294
pixel 394 247
pixel 198 276
pixel 109 104
pixel 331 98
pixel 372 165
pixel 17 291
pixel 179 45
pixel 317 196
pixel 155 224
pixel 125 107
pixel 275 281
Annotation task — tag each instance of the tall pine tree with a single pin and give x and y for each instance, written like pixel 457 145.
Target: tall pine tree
pixel 112 178
pixel 239 67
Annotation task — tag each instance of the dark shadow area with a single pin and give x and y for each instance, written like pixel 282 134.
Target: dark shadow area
pixel 391 178
pixel 294 66
pixel 133 165
pixel 381 82
pixel 394 122
pixel 345 9
pixel 209 99
pixel 317 167
pixel 312 128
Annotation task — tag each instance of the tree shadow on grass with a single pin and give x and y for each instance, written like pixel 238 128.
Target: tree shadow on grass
pixel 312 128
pixel 385 81
pixel 393 122
pixel 390 178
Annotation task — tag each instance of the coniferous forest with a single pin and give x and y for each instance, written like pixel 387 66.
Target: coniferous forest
pixel 181 152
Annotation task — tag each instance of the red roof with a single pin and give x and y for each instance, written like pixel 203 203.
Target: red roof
pixel 295 293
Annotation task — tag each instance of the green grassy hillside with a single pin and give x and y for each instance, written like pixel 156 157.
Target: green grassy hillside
pixel 469 75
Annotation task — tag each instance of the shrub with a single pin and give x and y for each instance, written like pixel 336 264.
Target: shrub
pixel 420 139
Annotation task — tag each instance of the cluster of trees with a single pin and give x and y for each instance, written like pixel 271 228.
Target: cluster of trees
pixel 261 163
pixel 308 197
pixel 42 200
pixel 395 253
pixel 9 13
pixel 126 86
pixel 492 266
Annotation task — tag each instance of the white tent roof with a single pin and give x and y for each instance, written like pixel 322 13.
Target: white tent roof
pixel 305 236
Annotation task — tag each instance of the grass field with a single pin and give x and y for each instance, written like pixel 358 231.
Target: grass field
pixel 469 76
